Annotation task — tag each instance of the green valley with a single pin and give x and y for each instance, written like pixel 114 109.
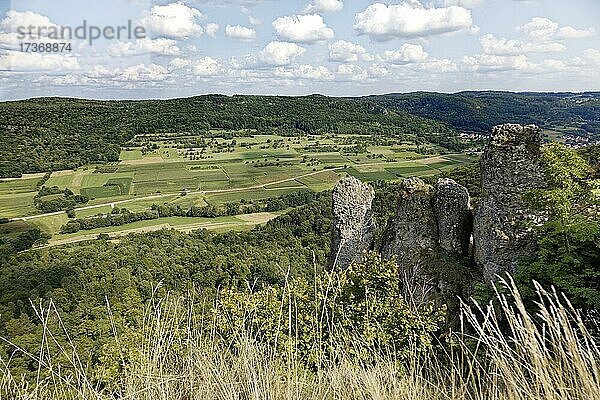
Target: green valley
pixel 186 170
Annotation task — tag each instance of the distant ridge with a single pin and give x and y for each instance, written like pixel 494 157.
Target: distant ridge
pixel 479 111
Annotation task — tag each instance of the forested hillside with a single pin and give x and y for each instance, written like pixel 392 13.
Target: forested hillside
pixel 54 133
pixel 479 111
pixel 58 133
pixel 82 278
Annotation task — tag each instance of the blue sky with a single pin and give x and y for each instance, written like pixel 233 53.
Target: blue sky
pixel 333 47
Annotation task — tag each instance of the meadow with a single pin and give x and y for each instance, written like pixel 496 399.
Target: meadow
pixel 184 224
pixel 189 170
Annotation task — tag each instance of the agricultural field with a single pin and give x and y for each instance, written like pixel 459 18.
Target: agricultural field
pixel 184 224
pixel 16 197
pixel 189 171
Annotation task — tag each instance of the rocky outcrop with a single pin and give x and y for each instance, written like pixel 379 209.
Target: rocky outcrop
pixel 452 207
pixel 429 219
pixel 432 229
pixel 509 168
pixel 428 236
pixel 413 233
pixel 353 224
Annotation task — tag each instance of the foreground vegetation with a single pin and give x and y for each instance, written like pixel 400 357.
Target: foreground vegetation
pixel 504 353
pixel 267 295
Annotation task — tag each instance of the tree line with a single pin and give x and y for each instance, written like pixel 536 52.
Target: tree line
pixel 122 216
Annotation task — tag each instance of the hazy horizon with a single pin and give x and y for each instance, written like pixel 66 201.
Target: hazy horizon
pixel 303 95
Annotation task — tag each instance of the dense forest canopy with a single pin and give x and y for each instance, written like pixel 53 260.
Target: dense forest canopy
pixel 82 278
pixel 201 113
pixel 480 111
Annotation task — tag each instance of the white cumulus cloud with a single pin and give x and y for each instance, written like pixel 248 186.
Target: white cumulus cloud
pixel 439 66
pixel 142 73
pixel 240 32
pixel 544 29
pixel 13 40
pixel 175 20
pixel 135 76
pixel 568 32
pixel 179 63
pixel 302 28
pixel 17 23
pixel 144 46
pixel 9 41
pixel 351 72
pixel 319 73
pixel 378 71
pixel 280 53
pixel 254 20
pixel 501 46
pixel 211 29
pixel 206 66
pixel 406 54
pixel 411 19
pixel 20 61
pixel 15 19
pixel 489 63
pixel 323 6
pixel 592 56
pixel 462 3
pixel 344 51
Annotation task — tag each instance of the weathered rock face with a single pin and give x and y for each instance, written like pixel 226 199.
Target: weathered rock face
pixel 353 224
pixel 413 233
pixel 428 219
pixel 432 228
pixel 452 207
pixel 430 232
pixel 509 168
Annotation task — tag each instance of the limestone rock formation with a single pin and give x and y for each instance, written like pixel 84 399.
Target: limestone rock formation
pixel 509 168
pixel 433 225
pixel 429 234
pixel 353 224
pixel 452 207
pixel 428 219
pixel 413 233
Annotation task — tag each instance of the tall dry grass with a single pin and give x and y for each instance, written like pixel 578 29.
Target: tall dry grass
pixel 550 355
